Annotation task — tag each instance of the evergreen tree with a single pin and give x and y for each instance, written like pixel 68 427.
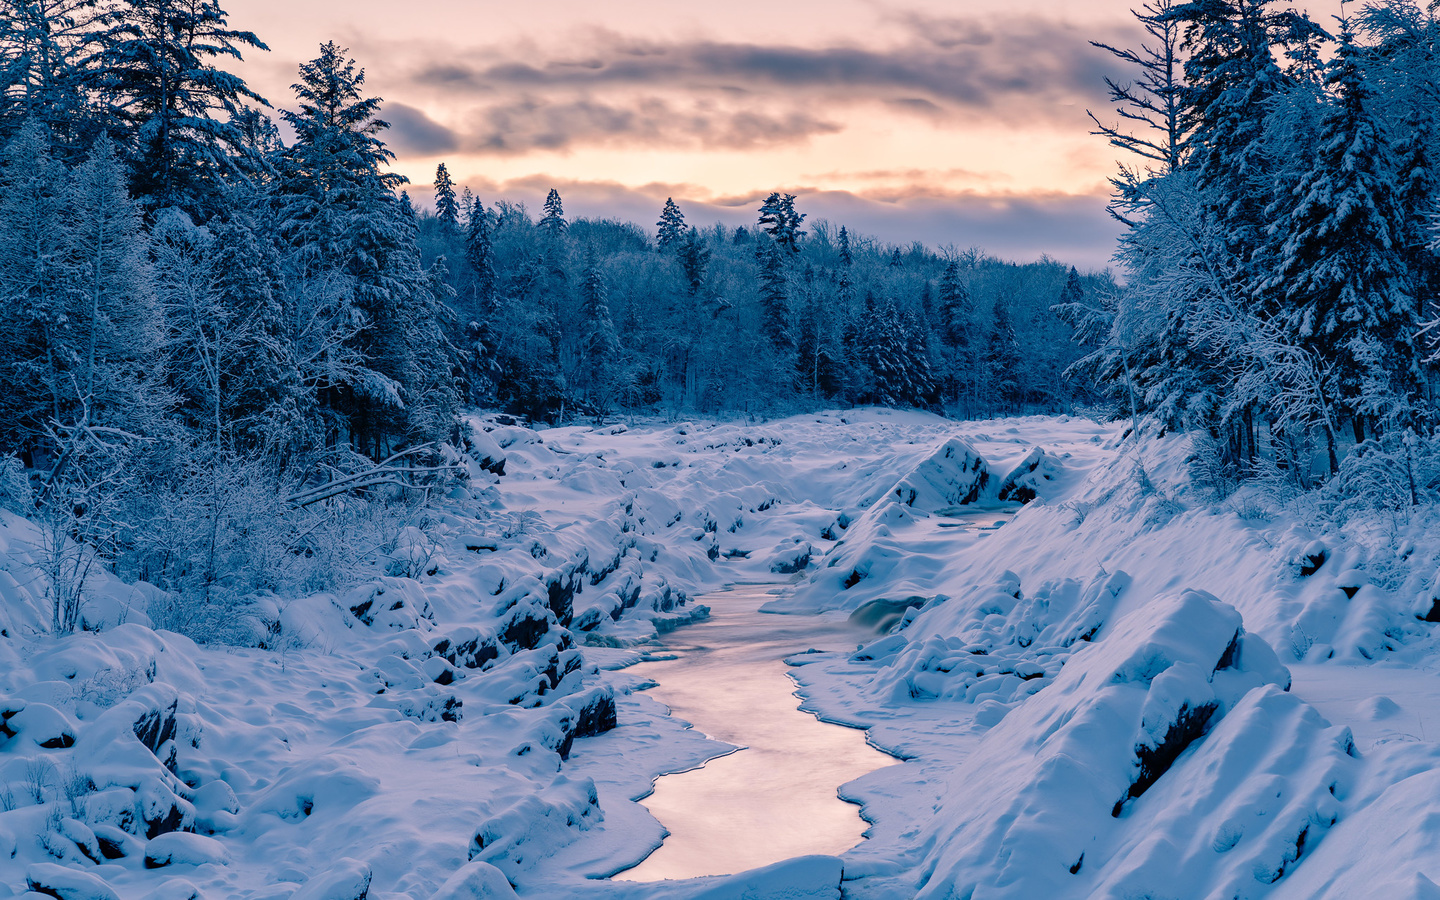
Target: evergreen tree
pixel 178 106
pixel 774 299
pixel 846 259
pixel 340 212
pixel 47 51
pixel 447 208
pixel 554 219
pixel 1339 270
pixel 694 258
pixel 895 261
pixel 114 331
pixel 35 359
pixel 600 348
pixel 671 224
pixel 780 220
pixel 1002 359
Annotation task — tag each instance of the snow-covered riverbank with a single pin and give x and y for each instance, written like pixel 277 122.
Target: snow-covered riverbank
pixel 1077 720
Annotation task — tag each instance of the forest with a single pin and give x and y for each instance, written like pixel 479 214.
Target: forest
pixel 222 350
pixel 204 325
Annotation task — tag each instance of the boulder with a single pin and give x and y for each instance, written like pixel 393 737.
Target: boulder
pixel 67 884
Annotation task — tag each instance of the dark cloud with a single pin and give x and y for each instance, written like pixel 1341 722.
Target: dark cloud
pixel 532 122
pixel 727 94
pixel 413 132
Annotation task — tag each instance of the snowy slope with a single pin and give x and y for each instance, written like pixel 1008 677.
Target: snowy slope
pixel 1098 686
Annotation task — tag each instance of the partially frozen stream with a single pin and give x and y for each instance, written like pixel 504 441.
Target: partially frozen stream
pixel 776 797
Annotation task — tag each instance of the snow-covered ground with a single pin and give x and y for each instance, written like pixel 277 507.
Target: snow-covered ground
pixel 1127 691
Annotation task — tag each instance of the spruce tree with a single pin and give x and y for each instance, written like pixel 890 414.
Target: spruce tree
pixel 774 299
pixel 1339 270
pixel 694 258
pixel 599 347
pixel 554 219
pixel 671 224
pixel 35 356
pixel 780 220
pixel 160 69
pixel 447 208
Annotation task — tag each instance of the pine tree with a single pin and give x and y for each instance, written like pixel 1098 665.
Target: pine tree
pixel 554 219
pixel 895 261
pixel 114 332
pixel 780 220
pixel 447 209
pixel 774 299
pixel 600 348
pixel 846 259
pixel 694 258
pixel 671 224
pixel 340 212
pixel 177 105
pixel 1339 269
pixel 483 327
pixel 34 321
pixel 1002 359
pixel 47 49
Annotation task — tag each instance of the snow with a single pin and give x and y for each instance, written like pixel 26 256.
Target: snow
pixel 1094 700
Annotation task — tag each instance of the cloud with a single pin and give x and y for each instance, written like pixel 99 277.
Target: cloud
pixel 532 122
pixel 1024 71
pixel 413 132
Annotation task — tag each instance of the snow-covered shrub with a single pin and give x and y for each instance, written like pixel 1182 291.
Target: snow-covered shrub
pixel 15 493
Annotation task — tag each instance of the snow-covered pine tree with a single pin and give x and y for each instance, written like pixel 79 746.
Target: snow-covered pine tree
pixel 34 321
pixel 47 48
pixel 114 332
pixel 342 215
pixel 554 219
pixel 843 244
pixel 159 69
pixel 955 327
pixel 896 262
pixel 599 347
pixel 694 258
pixel 1002 359
pixel 1338 276
pixel 671 225
pixel 780 220
pixel 447 208
pixel 774 299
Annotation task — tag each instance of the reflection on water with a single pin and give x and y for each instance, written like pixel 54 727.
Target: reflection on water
pixel 776 798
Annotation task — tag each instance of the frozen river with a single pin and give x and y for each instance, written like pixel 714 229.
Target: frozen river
pixel 774 798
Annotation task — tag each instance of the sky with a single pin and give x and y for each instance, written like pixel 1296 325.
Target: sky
pixel 951 123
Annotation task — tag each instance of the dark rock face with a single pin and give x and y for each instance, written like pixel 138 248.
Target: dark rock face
pixel 561 587
pixel 1189 725
pixel 524 627
pixel 156 727
pixel 1024 481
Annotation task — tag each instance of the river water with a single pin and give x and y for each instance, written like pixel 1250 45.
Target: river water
pixel 775 798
